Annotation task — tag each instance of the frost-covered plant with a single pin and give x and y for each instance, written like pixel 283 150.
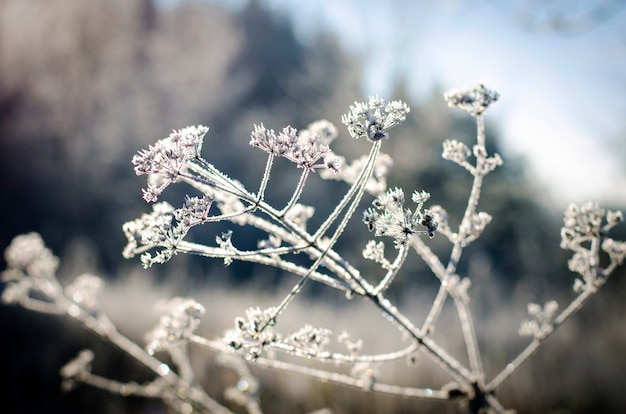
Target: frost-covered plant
pixel 256 337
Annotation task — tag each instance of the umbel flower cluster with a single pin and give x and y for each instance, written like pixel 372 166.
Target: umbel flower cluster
pixel 257 336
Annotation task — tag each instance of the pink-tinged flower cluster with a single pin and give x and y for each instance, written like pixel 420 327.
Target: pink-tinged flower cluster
pixel 304 149
pixel 167 158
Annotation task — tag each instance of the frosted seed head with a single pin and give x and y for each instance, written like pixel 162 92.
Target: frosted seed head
pixel 475 100
pixel 615 249
pixel 28 253
pixel 179 319
pixel 85 290
pixel 455 151
pixel 372 120
pixel 324 130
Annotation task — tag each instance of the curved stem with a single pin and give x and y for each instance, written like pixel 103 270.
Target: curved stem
pixel 321 356
pixel 266 177
pixel 530 350
pixel 357 188
pixel 393 270
pixel 430 347
pixel 351 199
pixel 296 194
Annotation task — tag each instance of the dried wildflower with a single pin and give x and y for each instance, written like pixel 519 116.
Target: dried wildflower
pixel 390 218
pixel 16 290
pixel 305 150
pixel 253 333
pixel 376 252
pixel 583 221
pixel 541 323
pixel 477 223
pixel 85 290
pixel 584 263
pixel 475 99
pixel 180 318
pixel 310 340
pixel 28 254
pixel 324 130
pixel 455 151
pixel 156 229
pixel 225 241
pixel 195 210
pixel 167 158
pixel 582 225
pixel 441 217
pixel 490 164
pixel 372 120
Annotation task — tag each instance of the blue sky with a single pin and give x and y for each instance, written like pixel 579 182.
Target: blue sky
pixel 563 96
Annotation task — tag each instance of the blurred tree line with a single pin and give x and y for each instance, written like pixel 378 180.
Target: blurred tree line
pixel 85 85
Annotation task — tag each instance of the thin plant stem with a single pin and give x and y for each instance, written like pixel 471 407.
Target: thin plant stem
pixel 296 194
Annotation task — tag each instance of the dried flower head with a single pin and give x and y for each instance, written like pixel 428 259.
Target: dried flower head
pixel 309 340
pixel 542 318
pixel 167 158
pixel 85 290
pixel 305 149
pixel 179 319
pixel 475 99
pixel 324 130
pixel 390 218
pixel 195 210
pixel 372 120
pixel 27 253
pixel 253 333
pixel 156 229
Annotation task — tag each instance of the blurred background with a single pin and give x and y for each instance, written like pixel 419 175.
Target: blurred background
pixel 86 84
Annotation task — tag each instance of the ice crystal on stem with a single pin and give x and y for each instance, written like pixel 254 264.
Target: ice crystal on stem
pixel 366 373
